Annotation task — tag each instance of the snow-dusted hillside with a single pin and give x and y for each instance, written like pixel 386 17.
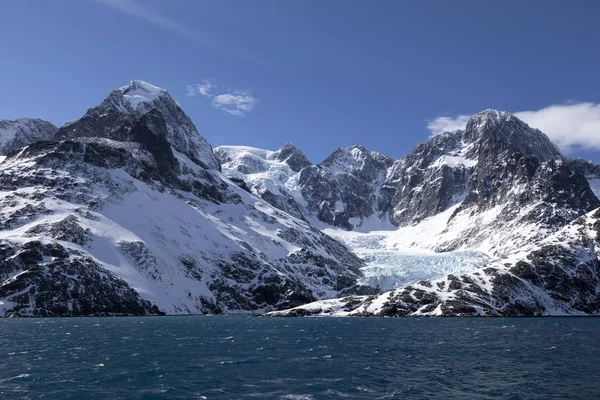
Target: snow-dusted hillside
pixel 96 226
pixel 23 131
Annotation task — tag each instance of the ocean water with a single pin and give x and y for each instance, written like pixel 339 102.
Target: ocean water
pixel 312 358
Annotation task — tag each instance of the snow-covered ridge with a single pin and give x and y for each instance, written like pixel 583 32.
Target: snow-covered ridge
pixel 138 92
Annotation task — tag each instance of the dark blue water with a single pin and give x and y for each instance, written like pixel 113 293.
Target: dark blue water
pixel 244 357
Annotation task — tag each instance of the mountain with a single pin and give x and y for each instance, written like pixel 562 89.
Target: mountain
pixel 505 183
pixel 558 276
pixel 125 215
pixel 509 182
pixel 340 191
pixel 129 211
pixel 117 114
pixel 22 132
pixel 454 203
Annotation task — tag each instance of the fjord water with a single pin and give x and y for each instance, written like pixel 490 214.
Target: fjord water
pixel 237 357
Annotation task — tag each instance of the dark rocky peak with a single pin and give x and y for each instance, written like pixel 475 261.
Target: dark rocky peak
pixel 344 189
pixel 429 180
pixel 292 156
pixel 124 107
pixel 20 132
pixel 588 168
pixel 492 133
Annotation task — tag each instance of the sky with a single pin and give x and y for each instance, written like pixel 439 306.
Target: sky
pixel 386 74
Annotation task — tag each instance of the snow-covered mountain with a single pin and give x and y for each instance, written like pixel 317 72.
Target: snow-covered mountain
pixel 118 220
pixel 23 131
pixel 129 211
pixel 453 204
pixel 120 110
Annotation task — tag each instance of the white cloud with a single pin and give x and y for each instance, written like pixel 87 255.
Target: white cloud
pixel 135 9
pixel 447 124
pixel 571 126
pixel 203 89
pixel 234 102
pixel 238 103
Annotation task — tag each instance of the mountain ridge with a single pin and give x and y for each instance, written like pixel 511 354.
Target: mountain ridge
pixel 129 211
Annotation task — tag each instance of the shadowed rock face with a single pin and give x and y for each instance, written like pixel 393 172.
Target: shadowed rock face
pixel 122 108
pixel 345 186
pixel 428 181
pixel 22 132
pixel 58 282
pixel 292 157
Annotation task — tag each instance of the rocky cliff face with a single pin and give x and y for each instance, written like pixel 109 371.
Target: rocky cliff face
pixel 122 108
pixel 126 224
pixel 22 132
pixel 430 180
pixel 521 187
pixel 345 189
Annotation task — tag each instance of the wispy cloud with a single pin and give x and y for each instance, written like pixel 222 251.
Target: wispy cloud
pixel 571 126
pixel 233 101
pixel 139 9
pixel 203 88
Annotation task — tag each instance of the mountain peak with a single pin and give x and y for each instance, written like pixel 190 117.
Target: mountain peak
pixel 120 111
pixel 502 131
pixel 292 156
pixel 139 92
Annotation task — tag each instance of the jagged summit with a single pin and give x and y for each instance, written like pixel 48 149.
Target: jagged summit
pixel 20 132
pixel 352 158
pixel 119 112
pixel 293 156
pixel 140 92
pixel 500 131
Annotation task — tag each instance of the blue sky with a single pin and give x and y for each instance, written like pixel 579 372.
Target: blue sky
pixel 321 74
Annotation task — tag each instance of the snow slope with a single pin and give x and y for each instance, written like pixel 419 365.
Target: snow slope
pixel 558 276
